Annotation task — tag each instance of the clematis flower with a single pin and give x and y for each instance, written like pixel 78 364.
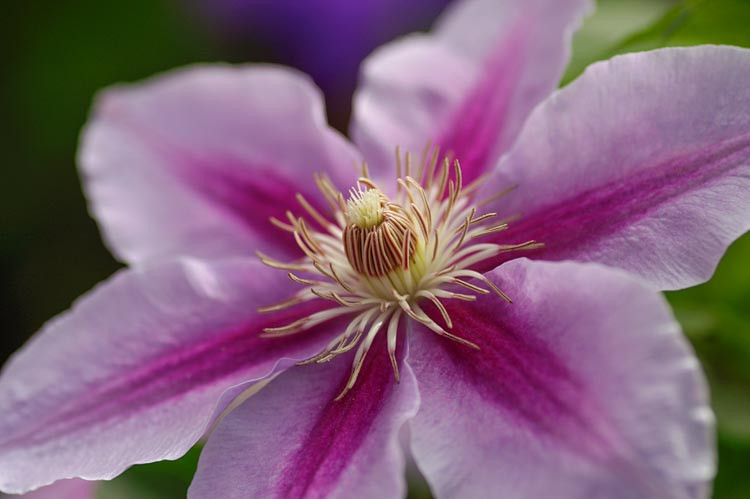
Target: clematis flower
pixel 494 291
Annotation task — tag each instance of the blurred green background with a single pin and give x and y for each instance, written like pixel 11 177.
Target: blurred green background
pixel 57 54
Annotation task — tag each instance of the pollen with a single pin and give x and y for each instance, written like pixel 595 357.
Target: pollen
pixel 365 208
pixel 381 258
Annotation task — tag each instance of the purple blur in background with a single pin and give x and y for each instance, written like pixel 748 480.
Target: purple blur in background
pixel 325 38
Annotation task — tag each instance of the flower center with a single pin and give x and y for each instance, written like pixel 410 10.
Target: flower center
pixel 380 259
pixel 379 236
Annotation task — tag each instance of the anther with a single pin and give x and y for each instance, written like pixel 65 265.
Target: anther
pixel 379 236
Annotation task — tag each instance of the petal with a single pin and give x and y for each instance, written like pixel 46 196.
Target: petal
pixel 583 387
pixel 469 86
pixel 64 489
pixel 195 162
pixel 643 163
pixel 294 440
pixel 137 369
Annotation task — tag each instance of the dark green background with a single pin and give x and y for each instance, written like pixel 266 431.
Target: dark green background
pixel 57 54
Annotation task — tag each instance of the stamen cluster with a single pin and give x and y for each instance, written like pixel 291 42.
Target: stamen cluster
pixel 380 259
pixel 375 249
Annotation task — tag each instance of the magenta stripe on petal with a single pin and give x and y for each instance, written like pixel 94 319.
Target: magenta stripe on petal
pixel 340 428
pixel 523 378
pixel 477 128
pixel 582 387
pixel 579 223
pixel 174 374
pixel 248 191
pixel 138 368
pixel 150 152
pixel 293 439
pixel 252 195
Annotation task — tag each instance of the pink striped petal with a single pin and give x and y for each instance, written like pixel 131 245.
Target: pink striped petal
pixel 642 163
pixel 469 86
pixel 294 440
pixel 138 368
pixel 195 162
pixel 584 387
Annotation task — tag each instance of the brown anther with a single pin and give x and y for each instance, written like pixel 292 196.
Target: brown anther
pixel 375 251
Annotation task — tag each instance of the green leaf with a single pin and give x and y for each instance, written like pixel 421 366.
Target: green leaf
pixel 160 480
pixel 688 23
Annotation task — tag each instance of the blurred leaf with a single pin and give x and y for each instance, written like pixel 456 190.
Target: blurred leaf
pixel 731 481
pixel 59 55
pixel 160 480
pixel 716 318
pixel 611 22
pixel 692 22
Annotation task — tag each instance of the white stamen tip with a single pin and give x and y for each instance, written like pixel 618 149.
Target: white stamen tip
pixel 364 208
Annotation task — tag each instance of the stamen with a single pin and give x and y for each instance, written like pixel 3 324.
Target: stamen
pixel 307 322
pixel 433 164
pixel 359 358
pixel 280 306
pixel 288 329
pixel 340 281
pixel 423 162
pixel 470 286
pixel 491 230
pixel 270 262
pixel 497 196
pixel 300 280
pixel 430 296
pixel 392 336
pixel 281 225
pixel 377 259
pixel 444 175
pixel 416 313
pixel 326 189
pixel 312 211
pixel 527 245
pixel 483 218
pixel 454 296
pixel 398 168
pixel 463 232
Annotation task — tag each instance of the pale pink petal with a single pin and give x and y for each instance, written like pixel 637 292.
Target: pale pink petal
pixel 583 387
pixel 643 163
pixel 194 162
pixel 294 440
pixel 469 86
pixel 63 489
pixel 137 369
